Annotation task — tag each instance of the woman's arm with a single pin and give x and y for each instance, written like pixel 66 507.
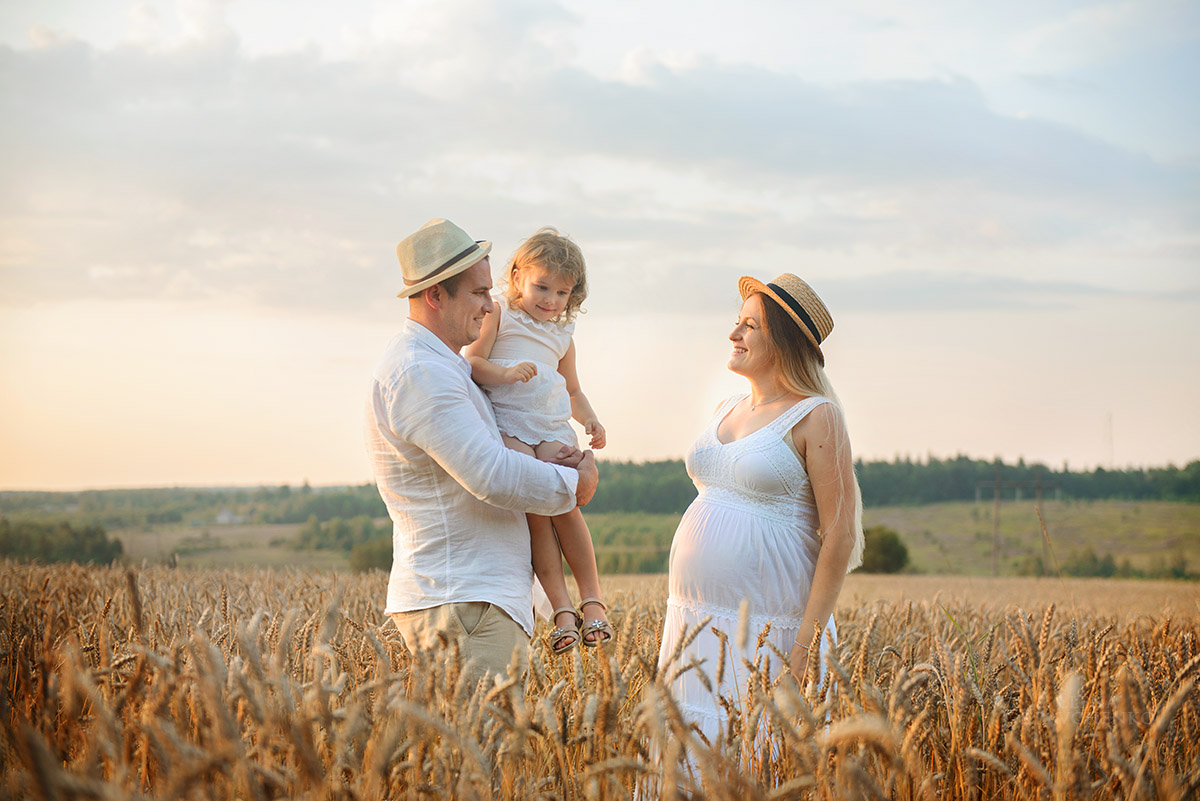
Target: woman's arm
pixel 477 353
pixel 581 408
pixel 822 438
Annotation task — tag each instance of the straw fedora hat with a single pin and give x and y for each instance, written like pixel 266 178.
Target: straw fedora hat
pixel 437 251
pixel 800 302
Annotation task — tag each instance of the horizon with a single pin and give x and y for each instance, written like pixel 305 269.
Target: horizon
pixel 923 460
pixel 999 205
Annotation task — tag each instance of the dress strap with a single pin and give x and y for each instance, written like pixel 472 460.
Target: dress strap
pixel 798 412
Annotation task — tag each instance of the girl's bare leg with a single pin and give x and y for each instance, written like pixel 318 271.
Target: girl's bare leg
pixel 547 558
pixel 575 543
pixel 547 566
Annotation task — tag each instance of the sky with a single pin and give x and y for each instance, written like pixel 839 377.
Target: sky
pixel 200 201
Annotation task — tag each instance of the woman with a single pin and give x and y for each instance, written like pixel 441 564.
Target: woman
pixel 778 518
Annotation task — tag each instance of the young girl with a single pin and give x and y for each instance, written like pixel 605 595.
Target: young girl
pixel 525 360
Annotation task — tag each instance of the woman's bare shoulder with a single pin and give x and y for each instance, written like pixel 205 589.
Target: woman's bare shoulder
pixel 825 423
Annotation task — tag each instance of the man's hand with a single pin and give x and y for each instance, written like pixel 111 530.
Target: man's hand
pixel 585 463
pixel 589 479
pixel 568 457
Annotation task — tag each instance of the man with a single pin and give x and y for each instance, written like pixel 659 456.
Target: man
pixel 456 495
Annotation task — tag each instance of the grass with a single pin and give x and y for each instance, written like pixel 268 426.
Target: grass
pixel 948 538
pixel 957 537
pixel 259 545
pixel 261 684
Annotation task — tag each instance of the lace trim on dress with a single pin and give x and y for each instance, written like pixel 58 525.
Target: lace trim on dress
pixel 727 496
pixel 534 429
pixel 702 712
pixel 545 325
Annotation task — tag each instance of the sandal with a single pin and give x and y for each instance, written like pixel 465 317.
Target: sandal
pixel 560 633
pixel 603 631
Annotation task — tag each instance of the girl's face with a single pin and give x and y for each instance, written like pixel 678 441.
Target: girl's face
pixel 544 294
pixel 752 353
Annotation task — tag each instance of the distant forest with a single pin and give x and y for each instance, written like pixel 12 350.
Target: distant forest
pixel 665 487
pixel 912 483
pixel 655 487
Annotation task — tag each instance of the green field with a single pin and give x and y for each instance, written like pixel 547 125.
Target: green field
pixel 948 538
pixel 225 546
pixel 956 538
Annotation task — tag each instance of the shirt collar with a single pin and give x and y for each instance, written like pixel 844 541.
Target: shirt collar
pixel 432 341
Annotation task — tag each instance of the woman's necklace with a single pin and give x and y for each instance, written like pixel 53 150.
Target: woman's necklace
pixel 754 406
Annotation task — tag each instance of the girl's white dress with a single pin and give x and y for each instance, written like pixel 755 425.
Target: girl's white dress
pixel 750 534
pixel 538 410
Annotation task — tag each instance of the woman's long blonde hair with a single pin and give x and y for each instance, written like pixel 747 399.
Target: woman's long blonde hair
pixel 799 365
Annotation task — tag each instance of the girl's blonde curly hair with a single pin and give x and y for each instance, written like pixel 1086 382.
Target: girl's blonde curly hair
pixel 549 250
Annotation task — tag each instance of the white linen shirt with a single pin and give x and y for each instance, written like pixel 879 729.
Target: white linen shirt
pixel 456 495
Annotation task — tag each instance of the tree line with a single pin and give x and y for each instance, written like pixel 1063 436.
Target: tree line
pixel 657 487
pixel 140 508
pixel 57 542
pixel 663 486
pixel 913 483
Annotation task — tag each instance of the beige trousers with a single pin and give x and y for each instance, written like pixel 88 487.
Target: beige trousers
pixel 488 638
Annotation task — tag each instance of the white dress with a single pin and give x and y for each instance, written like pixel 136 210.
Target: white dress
pixel 538 410
pixel 750 534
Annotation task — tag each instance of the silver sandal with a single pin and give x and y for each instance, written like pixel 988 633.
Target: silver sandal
pixel 597 627
pixel 560 633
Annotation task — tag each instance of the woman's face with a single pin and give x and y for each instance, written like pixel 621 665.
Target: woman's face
pixel 752 353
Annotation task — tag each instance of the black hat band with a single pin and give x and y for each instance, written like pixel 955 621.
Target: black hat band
pixel 795 306
pixel 449 263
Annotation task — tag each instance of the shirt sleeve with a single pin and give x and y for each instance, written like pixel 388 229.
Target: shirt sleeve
pixel 430 407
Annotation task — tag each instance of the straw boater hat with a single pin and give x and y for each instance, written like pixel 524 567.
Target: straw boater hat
pixel 436 252
pixel 800 302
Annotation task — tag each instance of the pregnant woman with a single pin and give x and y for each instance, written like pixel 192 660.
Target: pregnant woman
pixel 778 518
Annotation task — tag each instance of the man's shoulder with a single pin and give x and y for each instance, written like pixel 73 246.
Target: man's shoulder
pixel 408 361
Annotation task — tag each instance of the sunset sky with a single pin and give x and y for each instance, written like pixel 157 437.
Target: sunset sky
pixel 200 201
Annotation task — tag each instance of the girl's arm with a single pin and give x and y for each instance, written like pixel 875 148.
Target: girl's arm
pixel 477 353
pixel 581 409
pixel 822 438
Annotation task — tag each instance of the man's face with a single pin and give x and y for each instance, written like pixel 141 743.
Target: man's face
pixel 462 315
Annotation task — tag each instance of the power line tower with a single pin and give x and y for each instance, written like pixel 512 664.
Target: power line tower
pixel 1037 486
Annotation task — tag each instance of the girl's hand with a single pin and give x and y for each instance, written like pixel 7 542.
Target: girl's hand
pixel 520 373
pixel 596 431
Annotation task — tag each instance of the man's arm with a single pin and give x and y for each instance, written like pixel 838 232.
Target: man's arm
pixel 430 407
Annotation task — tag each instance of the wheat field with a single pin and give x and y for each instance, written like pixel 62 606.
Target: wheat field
pixel 265 684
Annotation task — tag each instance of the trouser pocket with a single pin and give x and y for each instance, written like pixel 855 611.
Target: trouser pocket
pixel 470 615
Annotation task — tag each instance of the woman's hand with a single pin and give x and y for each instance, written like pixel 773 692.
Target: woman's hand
pixel 596 431
pixel 520 373
pixel 798 662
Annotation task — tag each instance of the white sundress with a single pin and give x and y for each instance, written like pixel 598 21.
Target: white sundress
pixel 750 534
pixel 538 410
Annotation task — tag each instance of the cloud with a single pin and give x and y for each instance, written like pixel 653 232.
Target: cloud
pixel 710 289
pixel 930 293
pixel 201 171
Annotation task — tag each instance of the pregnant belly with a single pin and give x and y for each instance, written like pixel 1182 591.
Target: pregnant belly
pixel 720 555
